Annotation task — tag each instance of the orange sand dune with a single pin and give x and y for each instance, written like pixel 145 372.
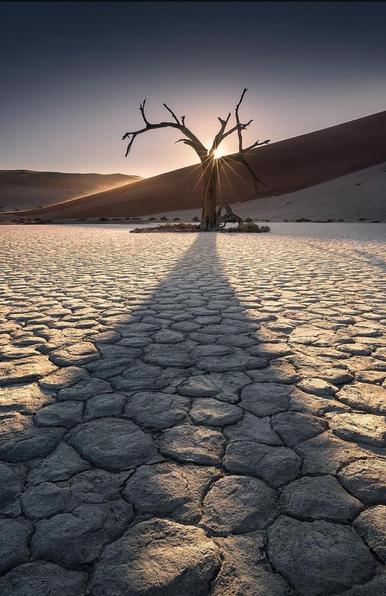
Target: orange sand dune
pixel 26 189
pixel 285 166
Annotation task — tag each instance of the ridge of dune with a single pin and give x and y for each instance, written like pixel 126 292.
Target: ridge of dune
pixel 25 189
pixel 285 167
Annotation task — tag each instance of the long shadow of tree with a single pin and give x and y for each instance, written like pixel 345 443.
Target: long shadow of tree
pixel 175 453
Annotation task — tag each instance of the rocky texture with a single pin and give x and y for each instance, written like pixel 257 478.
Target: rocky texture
pixel 245 570
pixel 66 414
pixel 20 440
pixel 295 427
pixel 366 480
pixel 276 465
pixel 44 579
pixel 252 428
pixel 318 557
pixel 211 412
pixel 320 497
pixel 198 386
pixel 11 483
pixel 326 454
pixel 188 420
pixel 193 444
pixel 263 399
pixel 104 404
pixel 26 399
pixel 73 539
pixel 170 489
pixel 371 525
pixel 238 504
pixel 375 587
pixel 362 428
pixel 317 387
pixel 157 557
pixel 24 370
pixel 14 538
pixel 113 444
pixel 63 378
pixel 364 396
pixel 61 464
pixel 156 410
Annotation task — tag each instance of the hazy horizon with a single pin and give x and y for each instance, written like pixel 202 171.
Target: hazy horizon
pixel 72 76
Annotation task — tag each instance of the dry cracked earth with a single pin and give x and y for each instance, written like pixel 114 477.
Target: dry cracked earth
pixel 190 415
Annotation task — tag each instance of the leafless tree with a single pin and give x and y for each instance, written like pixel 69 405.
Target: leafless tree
pixel 210 165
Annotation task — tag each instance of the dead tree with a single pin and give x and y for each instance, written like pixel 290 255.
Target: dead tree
pixel 210 169
pixel 228 217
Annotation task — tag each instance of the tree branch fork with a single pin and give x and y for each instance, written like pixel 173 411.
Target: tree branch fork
pixel 190 138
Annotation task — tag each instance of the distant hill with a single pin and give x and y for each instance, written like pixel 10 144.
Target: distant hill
pixel 26 189
pixel 284 167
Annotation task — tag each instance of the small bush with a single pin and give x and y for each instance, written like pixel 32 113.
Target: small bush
pixel 176 219
pixel 152 219
pixel 195 218
pixel 164 218
pixel 248 219
pixel 250 228
pixel 178 227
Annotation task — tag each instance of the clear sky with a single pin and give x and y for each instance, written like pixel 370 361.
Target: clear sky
pixel 72 75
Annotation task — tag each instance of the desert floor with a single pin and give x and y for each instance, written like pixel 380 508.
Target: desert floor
pixel 192 414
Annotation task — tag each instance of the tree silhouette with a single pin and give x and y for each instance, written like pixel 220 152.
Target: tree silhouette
pixel 210 218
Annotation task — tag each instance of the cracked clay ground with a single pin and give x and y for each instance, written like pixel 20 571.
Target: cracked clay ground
pixel 191 415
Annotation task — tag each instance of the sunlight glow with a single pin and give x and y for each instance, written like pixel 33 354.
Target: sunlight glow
pixel 218 153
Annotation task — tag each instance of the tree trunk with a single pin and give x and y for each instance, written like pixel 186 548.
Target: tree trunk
pixel 210 179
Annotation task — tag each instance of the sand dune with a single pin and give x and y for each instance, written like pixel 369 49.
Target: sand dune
pixel 354 197
pixel 26 189
pixel 285 167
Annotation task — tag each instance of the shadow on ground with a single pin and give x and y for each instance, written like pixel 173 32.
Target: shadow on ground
pixel 192 444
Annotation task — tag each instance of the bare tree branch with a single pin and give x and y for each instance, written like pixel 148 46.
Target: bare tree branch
pixel 240 157
pixel 142 110
pixel 256 144
pixel 220 135
pixel 239 134
pixel 194 142
pixel 172 113
pixel 187 142
pixel 239 127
